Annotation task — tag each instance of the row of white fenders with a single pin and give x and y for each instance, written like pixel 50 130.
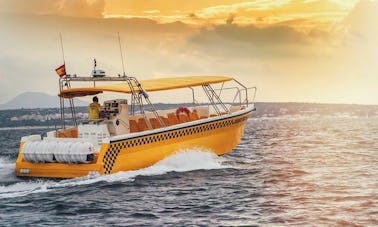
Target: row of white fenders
pixel 65 150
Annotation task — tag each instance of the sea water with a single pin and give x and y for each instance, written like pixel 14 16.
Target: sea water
pixel 288 170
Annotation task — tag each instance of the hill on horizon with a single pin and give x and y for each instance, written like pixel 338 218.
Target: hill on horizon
pixel 31 100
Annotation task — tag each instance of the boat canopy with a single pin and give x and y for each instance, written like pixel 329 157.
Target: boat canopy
pixel 148 85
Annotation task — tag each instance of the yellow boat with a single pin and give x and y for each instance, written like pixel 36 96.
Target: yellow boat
pixel 135 135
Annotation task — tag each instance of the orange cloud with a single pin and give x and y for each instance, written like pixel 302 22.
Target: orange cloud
pixel 302 15
pixel 316 13
pixel 72 8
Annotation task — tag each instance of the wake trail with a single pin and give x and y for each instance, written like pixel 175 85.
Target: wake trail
pixel 182 161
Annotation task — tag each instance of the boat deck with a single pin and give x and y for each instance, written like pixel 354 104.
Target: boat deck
pixel 137 123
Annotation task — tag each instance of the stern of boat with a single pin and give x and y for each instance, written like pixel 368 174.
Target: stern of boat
pixel 59 157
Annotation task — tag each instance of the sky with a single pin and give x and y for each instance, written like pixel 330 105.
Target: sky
pixel 323 51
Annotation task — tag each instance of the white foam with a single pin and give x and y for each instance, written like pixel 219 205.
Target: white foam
pixel 188 160
pixel 23 188
pixel 7 167
pixel 182 161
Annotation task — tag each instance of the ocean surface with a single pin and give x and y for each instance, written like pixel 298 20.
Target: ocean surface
pixel 286 171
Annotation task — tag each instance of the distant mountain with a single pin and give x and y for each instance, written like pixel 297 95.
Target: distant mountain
pixel 31 100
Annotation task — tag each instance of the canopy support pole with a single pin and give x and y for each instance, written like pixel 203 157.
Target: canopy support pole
pixel 61 99
pixel 211 94
pixel 133 82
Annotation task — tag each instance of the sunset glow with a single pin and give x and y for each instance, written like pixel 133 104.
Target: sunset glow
pixel 298 14
pixel 293 50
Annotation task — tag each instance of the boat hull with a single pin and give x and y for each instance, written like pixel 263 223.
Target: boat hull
pixel 218 134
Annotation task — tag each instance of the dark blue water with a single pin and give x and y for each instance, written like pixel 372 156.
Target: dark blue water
pixel 304 171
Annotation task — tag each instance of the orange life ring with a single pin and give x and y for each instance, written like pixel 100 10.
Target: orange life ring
pixel 182 109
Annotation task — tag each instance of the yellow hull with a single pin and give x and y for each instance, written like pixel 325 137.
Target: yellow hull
pixel 219 135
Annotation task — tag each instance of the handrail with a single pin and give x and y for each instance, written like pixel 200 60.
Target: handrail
pixel 254 93
pixel 238 95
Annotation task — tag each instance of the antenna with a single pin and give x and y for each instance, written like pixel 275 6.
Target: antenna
pixel 61 45
pixel 120 49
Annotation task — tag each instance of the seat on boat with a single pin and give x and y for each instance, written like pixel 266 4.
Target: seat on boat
pixel 193 116
pixel 133 126
pixel 67 133
pixel 142 125
pixel 165 120
pixel 172 119
pixel 155 123
pixel 182 117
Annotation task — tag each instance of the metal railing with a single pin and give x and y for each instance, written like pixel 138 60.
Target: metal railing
pixel 139 95
pixel 242 100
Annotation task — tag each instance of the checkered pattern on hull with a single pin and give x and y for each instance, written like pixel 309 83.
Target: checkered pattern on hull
pixel 115 147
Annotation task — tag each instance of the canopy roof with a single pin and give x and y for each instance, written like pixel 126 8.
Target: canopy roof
pixel 148 85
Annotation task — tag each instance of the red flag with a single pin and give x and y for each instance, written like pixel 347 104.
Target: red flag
pixel 61 70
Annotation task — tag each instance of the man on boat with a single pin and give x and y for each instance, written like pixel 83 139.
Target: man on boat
pixel 94 110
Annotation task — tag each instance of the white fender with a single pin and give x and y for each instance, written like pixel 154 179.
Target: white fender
pixel 33 155
pixel 58 152
pixel 39 153
pixel 26 151
pixel 49 152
